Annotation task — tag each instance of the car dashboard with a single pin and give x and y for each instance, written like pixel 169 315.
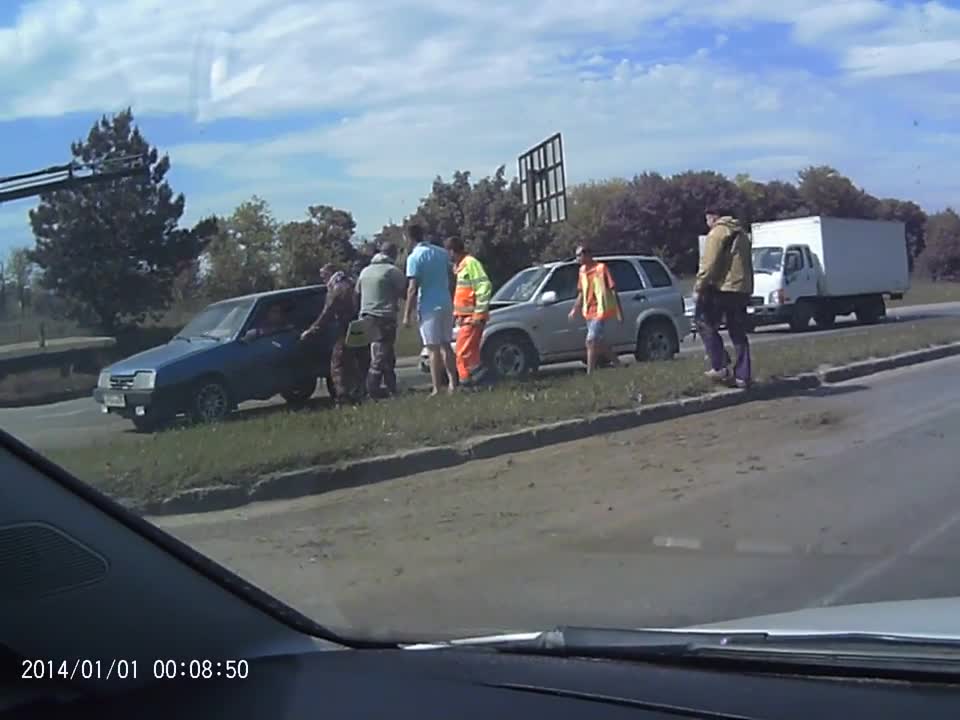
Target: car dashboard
pixel 482 683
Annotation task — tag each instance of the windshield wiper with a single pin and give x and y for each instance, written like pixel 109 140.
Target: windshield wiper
pixel 182 337
pixel 805 648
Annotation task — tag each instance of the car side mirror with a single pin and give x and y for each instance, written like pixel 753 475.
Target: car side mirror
pixel 248 336
pixel 548 298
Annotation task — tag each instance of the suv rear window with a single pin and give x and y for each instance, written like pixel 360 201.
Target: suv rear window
pixel 656 274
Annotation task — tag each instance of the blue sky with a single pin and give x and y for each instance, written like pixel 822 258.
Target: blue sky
pixel 360 104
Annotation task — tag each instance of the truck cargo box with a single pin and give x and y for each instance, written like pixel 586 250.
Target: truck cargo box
pixel 855 257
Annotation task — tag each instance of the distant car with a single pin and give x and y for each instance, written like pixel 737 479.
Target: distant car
pixel 528 324
pixel 223 357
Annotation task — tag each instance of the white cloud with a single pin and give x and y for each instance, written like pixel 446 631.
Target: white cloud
pixel 429 86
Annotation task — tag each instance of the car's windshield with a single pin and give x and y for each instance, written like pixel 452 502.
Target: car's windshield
pixel 220 320
pixel 522 286
pixel 457 421
pixel 767 259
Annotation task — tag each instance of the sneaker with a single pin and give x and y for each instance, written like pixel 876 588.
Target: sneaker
pixel 718 376
pixel 744 384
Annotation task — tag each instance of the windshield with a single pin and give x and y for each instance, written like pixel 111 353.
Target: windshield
pixel 416 443
pixel 767 259
pixel 220 320
pixel 522 286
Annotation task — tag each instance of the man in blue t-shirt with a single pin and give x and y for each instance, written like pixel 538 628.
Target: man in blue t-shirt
pixel 429 292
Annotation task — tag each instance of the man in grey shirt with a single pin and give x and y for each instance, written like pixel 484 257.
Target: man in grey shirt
pixel 380 287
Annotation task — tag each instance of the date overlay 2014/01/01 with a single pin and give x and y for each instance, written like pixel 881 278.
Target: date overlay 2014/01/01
pixel 119 669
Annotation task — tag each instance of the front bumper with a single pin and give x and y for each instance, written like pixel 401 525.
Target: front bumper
pixel 130 403
pixel 769 314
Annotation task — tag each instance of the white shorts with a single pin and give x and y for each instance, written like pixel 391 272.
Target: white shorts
pixel 436 327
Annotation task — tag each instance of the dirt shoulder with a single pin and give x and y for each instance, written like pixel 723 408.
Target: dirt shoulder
pixel 408 537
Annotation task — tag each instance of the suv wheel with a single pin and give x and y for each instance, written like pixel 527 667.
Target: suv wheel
pixel 656 341
pixel 300 394
pixel 211 401
pixel 510 355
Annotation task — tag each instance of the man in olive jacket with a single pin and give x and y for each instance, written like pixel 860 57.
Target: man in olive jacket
pixel 723 289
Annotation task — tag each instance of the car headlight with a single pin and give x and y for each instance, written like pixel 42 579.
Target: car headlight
pixel 144 380
pixel 774 298
pixel 104 380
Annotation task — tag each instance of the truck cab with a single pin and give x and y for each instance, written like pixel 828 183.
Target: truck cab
pixel 782 275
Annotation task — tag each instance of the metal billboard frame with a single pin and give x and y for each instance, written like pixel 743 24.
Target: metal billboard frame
pixel 543 181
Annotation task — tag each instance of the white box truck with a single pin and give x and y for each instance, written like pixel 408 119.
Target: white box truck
pixel 816 268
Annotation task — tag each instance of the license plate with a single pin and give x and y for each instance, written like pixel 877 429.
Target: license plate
pixel 114 400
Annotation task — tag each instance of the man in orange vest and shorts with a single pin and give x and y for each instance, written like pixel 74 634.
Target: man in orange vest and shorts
pixel 598 301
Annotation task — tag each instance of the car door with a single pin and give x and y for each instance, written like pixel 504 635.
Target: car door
pixel 660 289
pixel 263 363
pixel 633 299
pixel 554 333
pixel 309 358
pixel 798 274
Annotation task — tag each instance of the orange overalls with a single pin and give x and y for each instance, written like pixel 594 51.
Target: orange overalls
pixel 471 308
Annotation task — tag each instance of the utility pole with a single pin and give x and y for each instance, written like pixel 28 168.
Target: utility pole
pixel 73 174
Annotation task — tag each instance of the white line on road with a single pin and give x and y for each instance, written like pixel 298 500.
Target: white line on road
pixel 685 543
pixel 868 573
pixel 69 413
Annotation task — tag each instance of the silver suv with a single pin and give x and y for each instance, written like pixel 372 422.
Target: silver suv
pixel 528 324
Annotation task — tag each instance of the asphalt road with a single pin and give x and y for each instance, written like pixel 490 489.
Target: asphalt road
pixel 843 496
pixel 80 423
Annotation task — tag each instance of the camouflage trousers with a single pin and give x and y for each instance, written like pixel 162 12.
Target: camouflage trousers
pixel 346 373
pixel 383 356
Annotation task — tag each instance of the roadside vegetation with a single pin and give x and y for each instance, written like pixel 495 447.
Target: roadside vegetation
pixel 237 451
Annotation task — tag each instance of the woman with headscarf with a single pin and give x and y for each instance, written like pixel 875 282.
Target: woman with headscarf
pixel 339 310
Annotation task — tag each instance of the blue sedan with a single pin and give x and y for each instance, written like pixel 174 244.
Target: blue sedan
pixel 245 348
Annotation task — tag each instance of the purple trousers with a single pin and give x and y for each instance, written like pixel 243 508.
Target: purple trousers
pixel 725 308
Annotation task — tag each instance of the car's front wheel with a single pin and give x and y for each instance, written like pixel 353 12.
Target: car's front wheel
pixel 657 341
pixel 298 395
pixel 211 401
pixel 510 355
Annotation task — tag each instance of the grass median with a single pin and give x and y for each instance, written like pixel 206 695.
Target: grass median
pixel 236 452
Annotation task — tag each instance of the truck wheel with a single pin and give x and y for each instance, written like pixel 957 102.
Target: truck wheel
pixel 299 395
pixel 802 314
pixel 211 401
pixel 510 355
pixel 825 319
pixel 656 341
pixel 870 311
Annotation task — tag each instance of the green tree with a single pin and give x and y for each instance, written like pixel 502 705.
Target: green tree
pixel 774 200
pixel 940 259
pixel 490 218
pixel 825 191
pixel 112 251
pixel 306 246
pixel 19 276
pixel 241 258
pixel 588 206
pixel 914 219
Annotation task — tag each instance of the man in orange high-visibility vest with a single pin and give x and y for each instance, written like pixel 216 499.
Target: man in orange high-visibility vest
pixel 598 301
pixel 471 309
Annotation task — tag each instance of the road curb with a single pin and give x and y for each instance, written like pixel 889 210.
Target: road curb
pixel 870 367
pixel 321 479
